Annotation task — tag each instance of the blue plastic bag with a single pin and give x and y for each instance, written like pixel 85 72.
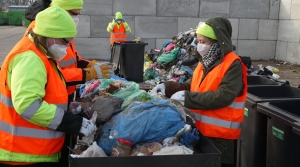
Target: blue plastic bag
pixel 142 123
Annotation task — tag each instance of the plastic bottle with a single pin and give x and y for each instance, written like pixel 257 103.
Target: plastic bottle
pixel 121 148
pixel 273 69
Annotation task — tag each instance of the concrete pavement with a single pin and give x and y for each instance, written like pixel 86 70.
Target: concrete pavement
pixel 9 36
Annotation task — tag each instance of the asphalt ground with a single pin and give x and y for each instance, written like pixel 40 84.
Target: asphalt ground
pixel 9 36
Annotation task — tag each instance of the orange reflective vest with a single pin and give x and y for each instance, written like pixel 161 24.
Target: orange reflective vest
pixel 118 34
pixel 224 122
pixel 21 139
pixel 68 64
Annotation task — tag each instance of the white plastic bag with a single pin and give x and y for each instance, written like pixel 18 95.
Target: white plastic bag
pixel 88 140
pixel 93 151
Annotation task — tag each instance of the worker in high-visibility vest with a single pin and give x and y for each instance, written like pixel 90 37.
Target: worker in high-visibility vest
pixel 118 29
pixel 75 69
pixel 34 113
pixel 216 94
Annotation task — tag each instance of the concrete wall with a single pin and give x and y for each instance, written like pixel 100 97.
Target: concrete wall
pixel 288 44
pixel 254 22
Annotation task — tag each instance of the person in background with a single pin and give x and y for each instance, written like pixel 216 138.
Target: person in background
pixel 74 68
pixel 216 94
pixel 34 113
pixel 118 29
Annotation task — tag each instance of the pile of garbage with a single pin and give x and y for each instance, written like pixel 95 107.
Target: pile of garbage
pixel 175 61
pixel 132 122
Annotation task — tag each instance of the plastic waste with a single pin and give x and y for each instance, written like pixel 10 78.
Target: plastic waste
pixel 147 122
pixel 273 69
pixel 138 96
pixel 146 149
pixel 121 148
pixel 93 151
pixel 90 88
pixel 260 67
pixel 174 150
pixel 183 130
pixel 88 140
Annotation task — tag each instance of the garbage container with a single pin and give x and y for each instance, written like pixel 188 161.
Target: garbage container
pixel 256 80
pixel 283 144
pixel 130 59
pixel 3 18
pixel 252 141
pixel 207 156
pixel 16 15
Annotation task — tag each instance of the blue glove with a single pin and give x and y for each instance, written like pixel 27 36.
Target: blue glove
pixel 123 20
pixel 115 20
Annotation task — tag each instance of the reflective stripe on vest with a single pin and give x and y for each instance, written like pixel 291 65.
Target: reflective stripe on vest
pixel 237 105
pixel 29 132
pixel 66 63
pixel 6 101
pixel 218 122
pixel 118 39
pixel 33 108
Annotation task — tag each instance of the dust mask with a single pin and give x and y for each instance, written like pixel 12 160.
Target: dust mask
pixel 76 20
pixel 58 51
pixel 203 49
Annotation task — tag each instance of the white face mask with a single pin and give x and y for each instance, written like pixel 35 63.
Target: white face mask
pixel 76 20
pixel 203 48
pixel 58 51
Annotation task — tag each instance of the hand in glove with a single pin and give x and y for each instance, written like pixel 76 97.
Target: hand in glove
pixel 178 95
pixel 75 107
pixel 98 71
pixel 87 127
pixel 123 20
pixel 92 63
pixel 159 88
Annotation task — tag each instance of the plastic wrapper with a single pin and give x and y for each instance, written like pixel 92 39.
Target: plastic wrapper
pixel 138 96
pixel 90 88
pixel 88 140
pixel 168 57
pixel 93 151
pixel 146 149
pixel 174 150
pixel 118 88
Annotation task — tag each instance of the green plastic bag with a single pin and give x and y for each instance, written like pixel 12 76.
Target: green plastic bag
pixel 131 88
pixel 138 96
pixel 149 74
pixel 168 57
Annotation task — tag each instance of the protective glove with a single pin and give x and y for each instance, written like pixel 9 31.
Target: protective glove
pixel 159 88
pixel 87 127
pixel 92 63
pixel 178 96
pixel 75 107
pixel 123 20
pixel 98 71
pixel 115 20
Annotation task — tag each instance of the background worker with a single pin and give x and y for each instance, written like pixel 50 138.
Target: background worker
pixel 118 29
pixel 34 115
pixel 75 69
pixel 217 91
